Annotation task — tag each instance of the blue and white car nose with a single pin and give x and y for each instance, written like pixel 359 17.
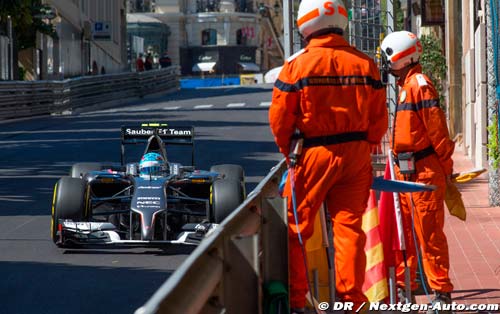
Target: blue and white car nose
pixel 149 199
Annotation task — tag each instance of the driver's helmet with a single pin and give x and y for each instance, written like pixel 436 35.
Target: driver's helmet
pixel 152 164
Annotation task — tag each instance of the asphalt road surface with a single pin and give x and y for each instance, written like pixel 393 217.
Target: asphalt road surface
pixel 231 126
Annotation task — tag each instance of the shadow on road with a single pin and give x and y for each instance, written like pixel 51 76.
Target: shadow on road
pixel 69 294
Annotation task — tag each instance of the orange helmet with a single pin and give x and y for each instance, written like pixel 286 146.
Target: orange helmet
pixel 317 17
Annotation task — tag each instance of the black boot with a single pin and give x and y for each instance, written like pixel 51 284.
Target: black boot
pixel 439 304
pixel 402 296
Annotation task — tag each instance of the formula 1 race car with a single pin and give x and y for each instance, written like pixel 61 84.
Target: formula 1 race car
pixel 150 203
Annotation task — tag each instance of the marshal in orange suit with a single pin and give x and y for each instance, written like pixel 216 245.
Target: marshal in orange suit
pixel 333 95
pixel 423 151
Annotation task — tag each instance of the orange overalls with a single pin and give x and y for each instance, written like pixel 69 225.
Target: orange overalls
pixel 330 90
pixel 420 125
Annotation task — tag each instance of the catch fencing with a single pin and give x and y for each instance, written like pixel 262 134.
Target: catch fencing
pixel 31 98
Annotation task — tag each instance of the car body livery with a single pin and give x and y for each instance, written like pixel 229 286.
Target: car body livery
pixel 114 204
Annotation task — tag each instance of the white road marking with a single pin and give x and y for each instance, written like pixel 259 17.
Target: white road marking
pixel 265 104
pixel 203 106
pixel 100 111
pixel 236 105
pixel 171 108
pixel 136 109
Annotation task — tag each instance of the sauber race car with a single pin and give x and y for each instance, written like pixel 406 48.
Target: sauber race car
pixel 152 202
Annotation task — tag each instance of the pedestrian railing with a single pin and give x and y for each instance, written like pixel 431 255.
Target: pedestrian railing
pixel 226 272
pixel 30 98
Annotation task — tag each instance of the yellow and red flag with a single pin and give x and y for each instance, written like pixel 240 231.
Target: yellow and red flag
pixel 375 286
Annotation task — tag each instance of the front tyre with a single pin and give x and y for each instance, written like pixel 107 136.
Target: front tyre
pixel 226 196
pixel 68 202
pixel 229 171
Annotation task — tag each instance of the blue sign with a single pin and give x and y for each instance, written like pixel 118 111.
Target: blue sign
pixel 101 31
pixel 98 26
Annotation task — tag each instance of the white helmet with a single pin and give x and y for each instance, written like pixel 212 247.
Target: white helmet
pixel 401 49
pixel 317 15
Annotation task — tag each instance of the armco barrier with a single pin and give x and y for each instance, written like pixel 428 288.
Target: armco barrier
pixel 225 273
pixel 29 98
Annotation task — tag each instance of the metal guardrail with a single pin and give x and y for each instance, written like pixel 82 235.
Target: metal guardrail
pixel 29 98
pixel 225 273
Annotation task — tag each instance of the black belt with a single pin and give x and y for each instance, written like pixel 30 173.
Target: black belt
pixel 421 154
pixel 334 139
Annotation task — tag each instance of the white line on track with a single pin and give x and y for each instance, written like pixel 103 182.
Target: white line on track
pixel 171 108
pixel 203 106
pixel 136 109
pixel 265 104
pixel 236 105
pixel 100 111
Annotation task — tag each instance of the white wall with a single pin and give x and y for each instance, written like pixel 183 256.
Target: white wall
pixel 73 59
pixel 470 97
pixel 481 108
pixel 70 58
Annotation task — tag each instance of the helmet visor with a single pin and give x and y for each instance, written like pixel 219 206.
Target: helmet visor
pixel 151 168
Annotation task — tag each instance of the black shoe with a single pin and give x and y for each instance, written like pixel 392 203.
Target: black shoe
pixel 440 299
pixel 402 297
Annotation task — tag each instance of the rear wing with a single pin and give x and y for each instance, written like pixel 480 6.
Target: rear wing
pixel 171 135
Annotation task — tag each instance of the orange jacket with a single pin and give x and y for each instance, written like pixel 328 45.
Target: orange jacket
pixel 420 122
pixel 325 89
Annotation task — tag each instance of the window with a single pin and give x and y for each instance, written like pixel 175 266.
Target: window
pixel 207 5
pixel 432 12
pixel 209 37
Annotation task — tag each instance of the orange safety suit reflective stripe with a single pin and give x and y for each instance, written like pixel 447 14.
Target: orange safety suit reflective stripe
pixel 330 88
pixel 420 123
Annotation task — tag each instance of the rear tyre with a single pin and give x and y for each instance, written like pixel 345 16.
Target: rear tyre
pixel 79 169
pixel 68 202
pixel 226 196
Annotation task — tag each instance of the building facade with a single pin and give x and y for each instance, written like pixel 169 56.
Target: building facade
pixel 474 81
pixel 468 34
pixel 221 37
pixel 91 38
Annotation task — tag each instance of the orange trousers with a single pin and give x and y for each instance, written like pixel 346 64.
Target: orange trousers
pixel 428 218
pixel 339 175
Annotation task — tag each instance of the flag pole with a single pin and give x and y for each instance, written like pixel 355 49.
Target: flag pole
pixel 326 226
pixel 399 222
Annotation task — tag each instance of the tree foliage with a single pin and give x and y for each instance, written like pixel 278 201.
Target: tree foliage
pixel 398 15
pixel 434 63
pixel 493 149
pixel 24 21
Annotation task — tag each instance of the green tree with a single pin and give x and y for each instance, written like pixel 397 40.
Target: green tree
pixel 25 24
pixel 493 149
pixel 397 14
pixel 434 63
